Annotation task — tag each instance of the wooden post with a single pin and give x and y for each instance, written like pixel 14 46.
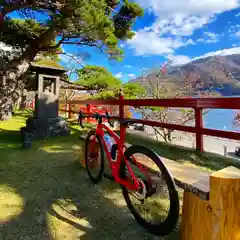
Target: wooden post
pixel 66 110
pixel 199 126
pixel 218 218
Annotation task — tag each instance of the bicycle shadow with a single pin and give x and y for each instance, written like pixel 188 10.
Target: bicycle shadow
pixel 58 200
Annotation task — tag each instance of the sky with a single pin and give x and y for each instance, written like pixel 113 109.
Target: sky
pixel 170 29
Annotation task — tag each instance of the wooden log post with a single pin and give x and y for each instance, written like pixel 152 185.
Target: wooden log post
pixel 66 110
pixel 219 217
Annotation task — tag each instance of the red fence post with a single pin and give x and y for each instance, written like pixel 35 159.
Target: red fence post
pixel 88 112
pixel 199 126
pixel 121 116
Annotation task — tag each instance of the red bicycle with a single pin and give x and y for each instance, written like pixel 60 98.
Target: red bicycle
pixel 147 186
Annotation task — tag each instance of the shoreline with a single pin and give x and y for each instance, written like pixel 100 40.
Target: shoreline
pixel 221 146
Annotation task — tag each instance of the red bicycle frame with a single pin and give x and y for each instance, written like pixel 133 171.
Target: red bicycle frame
pixel 115 164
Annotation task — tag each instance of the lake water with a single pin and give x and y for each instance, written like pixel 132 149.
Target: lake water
pixel 220 119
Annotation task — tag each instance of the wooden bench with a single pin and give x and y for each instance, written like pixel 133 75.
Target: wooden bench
pixel 189 178
pixel 211 202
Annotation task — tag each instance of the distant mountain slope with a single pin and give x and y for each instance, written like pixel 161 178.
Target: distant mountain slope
pixel 219 73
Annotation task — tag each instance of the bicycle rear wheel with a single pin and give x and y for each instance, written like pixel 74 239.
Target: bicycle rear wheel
pixel 94 156
pixel 155 206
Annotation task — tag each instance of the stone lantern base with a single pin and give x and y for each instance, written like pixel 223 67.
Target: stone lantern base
pixel 39 129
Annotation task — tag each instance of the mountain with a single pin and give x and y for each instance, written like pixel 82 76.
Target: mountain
pixel 220 74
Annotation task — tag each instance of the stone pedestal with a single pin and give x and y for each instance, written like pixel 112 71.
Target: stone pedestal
pixel 39 128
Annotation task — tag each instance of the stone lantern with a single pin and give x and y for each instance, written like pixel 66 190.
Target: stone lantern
pixel 45 121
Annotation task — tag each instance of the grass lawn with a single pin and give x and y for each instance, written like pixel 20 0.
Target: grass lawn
pixel 45 194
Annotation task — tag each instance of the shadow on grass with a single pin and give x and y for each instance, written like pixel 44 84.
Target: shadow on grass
pixel 208 161
pixel 9 136
pixel 9 140
pixel 45 194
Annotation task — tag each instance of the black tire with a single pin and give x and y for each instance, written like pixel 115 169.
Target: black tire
pixel 170 222
pixel 95 179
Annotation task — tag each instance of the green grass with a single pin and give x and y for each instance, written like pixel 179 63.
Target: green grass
pixel 45 194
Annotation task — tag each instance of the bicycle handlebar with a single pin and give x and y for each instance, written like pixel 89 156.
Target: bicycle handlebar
pixel 97 116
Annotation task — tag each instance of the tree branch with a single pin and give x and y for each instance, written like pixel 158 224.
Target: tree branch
pixel 82 43
pixel 53 47
pixel 73 57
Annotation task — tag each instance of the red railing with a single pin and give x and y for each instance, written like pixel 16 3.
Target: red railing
pixel 198 104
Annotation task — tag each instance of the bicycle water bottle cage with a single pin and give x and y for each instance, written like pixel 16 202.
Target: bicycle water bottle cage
pixel 114 151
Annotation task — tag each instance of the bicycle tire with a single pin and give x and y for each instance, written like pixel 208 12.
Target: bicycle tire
pixel 98 178
pixel 171 221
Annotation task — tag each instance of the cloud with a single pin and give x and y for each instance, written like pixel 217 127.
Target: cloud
pixel 237 15
pixel 175 20
pixel 182 19
pixel 131 75
pixel 179 59
pixel 237 34
pixel 211 37
pixel 119 75
pixel 223 52
pixel 182 59
pixel 199 8
pixel 200 40
pixel 190 42
pixel 122 45
pixel 178 25
pixel 127 66
pixel 145 43
pixel 234 28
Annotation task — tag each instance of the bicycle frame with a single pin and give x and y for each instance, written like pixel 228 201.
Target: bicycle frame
pixel 115 164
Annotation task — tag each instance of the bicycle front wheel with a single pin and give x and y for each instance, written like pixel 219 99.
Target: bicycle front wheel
pixel 155 205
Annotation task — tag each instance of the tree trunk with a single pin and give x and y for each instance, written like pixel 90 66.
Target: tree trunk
pixel 12 78
pixel 22 102
pixel 12 83
pixel 10 87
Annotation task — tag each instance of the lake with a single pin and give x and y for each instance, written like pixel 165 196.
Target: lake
pixel 220 119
